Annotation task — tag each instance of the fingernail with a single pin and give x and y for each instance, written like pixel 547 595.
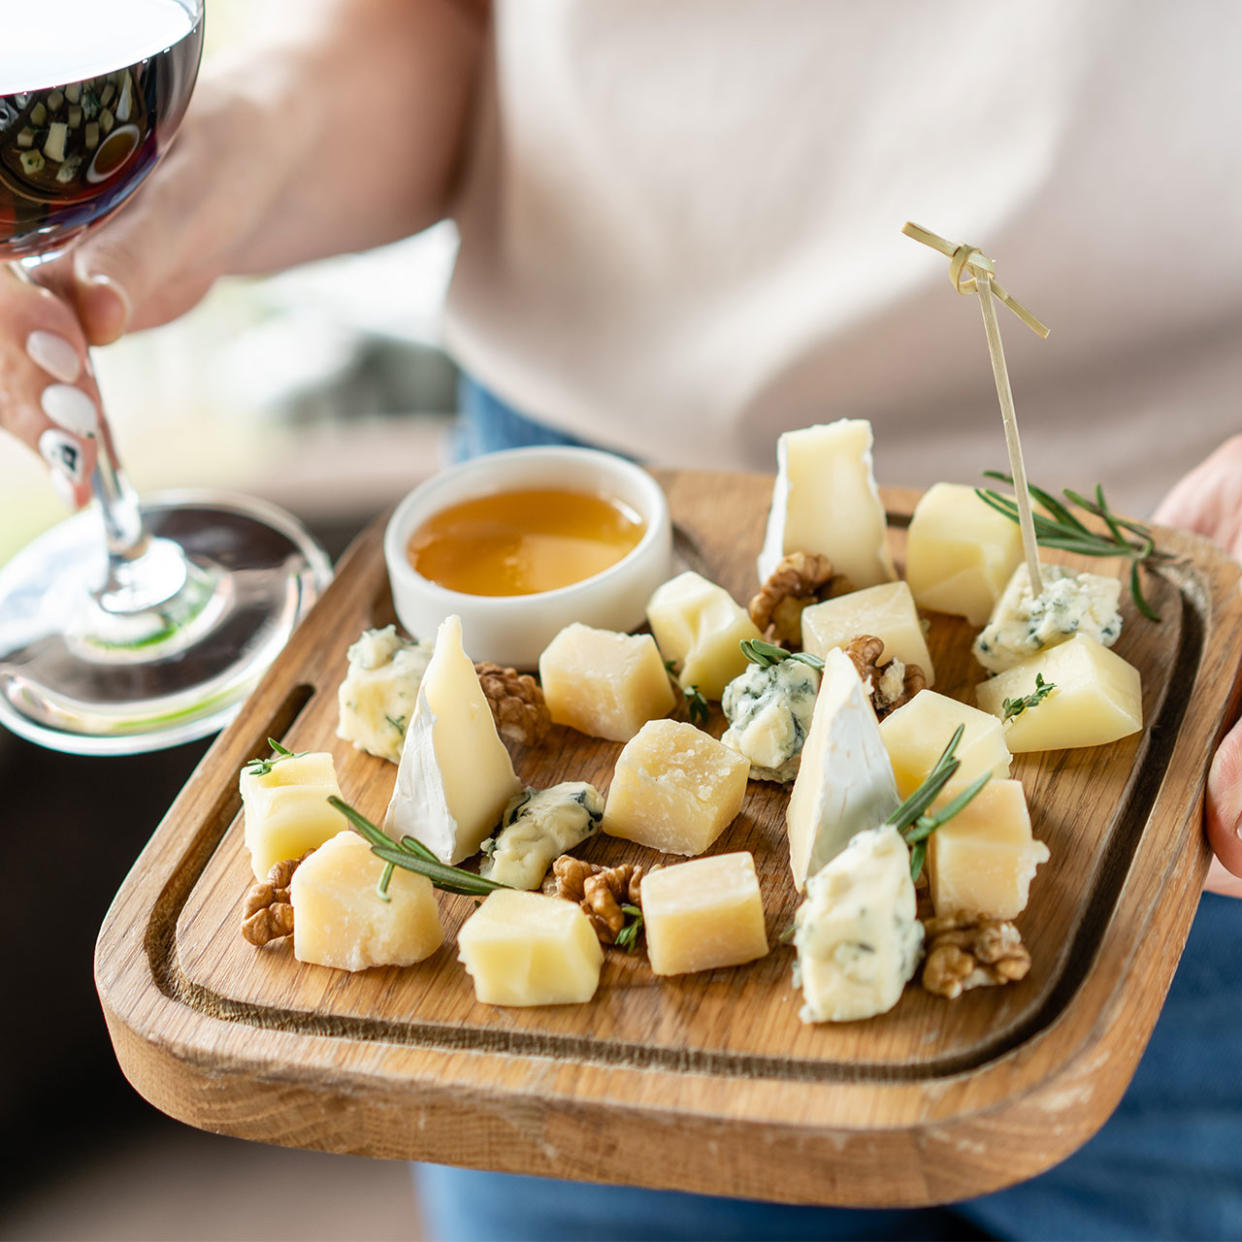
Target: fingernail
pixel 108 305
pixel 63 453
pixel 55 355
pixel 70 408
pixel 66 491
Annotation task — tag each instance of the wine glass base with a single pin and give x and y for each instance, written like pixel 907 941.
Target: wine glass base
pixel 77 677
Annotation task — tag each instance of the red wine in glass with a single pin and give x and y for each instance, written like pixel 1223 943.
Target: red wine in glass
pixel 80 129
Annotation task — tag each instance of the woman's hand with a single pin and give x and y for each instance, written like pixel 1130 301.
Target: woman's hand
pixel 1209 501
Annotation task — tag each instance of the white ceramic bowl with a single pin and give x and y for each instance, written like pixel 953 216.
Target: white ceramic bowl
pixel 514 629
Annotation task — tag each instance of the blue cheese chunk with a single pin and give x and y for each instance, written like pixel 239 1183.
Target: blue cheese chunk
pixel 769 712
pixel 1070 603
pixel 379 693
pixel 856 935
pixel 538 825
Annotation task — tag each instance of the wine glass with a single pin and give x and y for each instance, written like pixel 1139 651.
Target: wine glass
pixel 127 627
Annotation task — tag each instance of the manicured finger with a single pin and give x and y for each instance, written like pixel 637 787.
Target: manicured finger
pixel 1224 802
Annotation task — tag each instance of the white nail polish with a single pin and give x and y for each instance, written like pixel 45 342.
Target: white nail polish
pixel 70 408
pixel 55 355
pixel 63 453
pixel 65 490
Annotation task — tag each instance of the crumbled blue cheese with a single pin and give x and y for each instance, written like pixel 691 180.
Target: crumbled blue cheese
pixel 769 712
pixel 379 693
pixel 537 827
pixel 1070 603
pixel 856 935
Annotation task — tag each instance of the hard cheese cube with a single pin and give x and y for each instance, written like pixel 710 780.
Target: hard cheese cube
pixel 604 684
pixel 700 627
pixel 887 611
pixel 1098 697
pixel 917 734
pixel 703 914
pixel 339 918
pixel 825 500
pixel 287 811
pixel 528 949
pixel 675 788
pixel 982 861
pixel 960 553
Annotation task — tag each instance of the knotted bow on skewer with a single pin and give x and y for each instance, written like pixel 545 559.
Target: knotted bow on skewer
pixel 971 271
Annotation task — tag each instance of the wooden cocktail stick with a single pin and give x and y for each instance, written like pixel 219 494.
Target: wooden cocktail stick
pixel 982 280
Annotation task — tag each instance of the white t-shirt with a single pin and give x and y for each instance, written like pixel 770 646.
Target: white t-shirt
pixel 681 229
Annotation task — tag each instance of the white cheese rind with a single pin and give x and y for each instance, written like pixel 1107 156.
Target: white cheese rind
pixel 826 501
pixel 538 826
pixel 856 934
pixel 845 784
pixel 1071 603
pixel 455 775
pixel 378 696
pixel 769 712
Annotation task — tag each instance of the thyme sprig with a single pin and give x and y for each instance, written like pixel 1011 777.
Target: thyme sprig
pixel 1013 708
pixel 627 937
pixel 768 655
pixel 912 819
pixel 261 767
pixel 412 855
pixel 697 706
pixel 1059 528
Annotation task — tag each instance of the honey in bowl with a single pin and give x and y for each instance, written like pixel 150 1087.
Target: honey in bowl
pixel 523 542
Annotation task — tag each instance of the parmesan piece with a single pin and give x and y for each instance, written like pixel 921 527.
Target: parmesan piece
pixel 604 684
pixel 675 788
pixel 826 501
pixel 887 611
pixel 340 919
pixel 703 915
pixel 1098 698
pixel 527 949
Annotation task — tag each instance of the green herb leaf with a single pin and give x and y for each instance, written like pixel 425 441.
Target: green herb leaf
pixel 381 889
pixel 929 790
pixel 627 937
pixel 918 856
pixel 697 705
pixel 767 655
pixel 1013 708
pixel 261 767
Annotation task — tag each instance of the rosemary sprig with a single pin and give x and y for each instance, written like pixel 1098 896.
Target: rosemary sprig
pixel 697 705
pixel 412 855
pixel 1058 527
pixel 1014 708
pixel 911 818
pixel 627 937
pixel 767 655
pixel 261 767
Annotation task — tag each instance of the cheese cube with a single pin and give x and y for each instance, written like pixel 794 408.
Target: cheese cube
pixel 340 919
pixel 917 733
pixel 455 775
pixel 528 949
pixel 982 861
pixel 960 553
pixel 287 811
pixel 826 501
pixel 604 684
pixel 1098 697
pixel 845 782
pixel 699 626
pixel 704 914
pixel 887 611
pixel 675 788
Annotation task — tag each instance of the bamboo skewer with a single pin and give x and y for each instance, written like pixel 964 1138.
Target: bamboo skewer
pixel 982 280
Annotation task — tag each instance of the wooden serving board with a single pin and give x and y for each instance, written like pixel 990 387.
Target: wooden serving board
pixel 707 1082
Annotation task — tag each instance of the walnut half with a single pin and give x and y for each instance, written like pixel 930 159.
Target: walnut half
pixel 892 684
pixel 600 891
pixel 517 703
pixel 965 952
pixel 268 911
pixel 800 580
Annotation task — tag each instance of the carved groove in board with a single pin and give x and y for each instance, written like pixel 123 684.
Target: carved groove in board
pixel 1128 828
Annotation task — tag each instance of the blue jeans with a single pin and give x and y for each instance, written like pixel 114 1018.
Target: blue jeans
pixel 1167 1164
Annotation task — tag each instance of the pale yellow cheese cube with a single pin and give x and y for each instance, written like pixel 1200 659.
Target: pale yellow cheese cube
pixel 529 949
pixel 887 611
pixel 1098 697
pixel 675 788
pixel 982 861
pixel 340 919
pixel 704 914
pixel 916 734
pixel 960 553
pixel 604 684
pixel 287 811
pixel 700 627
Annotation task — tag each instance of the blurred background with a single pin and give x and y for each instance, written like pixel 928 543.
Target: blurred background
pixel 288 388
